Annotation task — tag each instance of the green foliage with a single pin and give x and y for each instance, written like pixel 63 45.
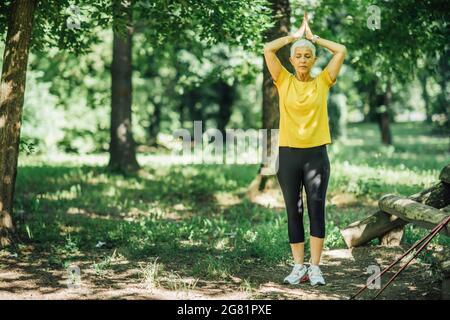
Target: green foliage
pixel 234 22
pixel 69 25
pixel 79 85
pixel 388 52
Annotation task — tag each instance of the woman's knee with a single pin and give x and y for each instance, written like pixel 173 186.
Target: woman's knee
pixel 318 229
pixel 317 223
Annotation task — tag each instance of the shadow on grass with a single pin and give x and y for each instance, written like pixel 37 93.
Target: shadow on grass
pixel 172 213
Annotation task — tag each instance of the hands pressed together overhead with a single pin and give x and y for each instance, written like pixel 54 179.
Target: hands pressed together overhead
pixel 338 50
pixel 304 29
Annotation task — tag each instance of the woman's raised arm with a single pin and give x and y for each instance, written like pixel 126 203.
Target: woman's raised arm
pixel 270 54
pixel 271 48
pixel 339 52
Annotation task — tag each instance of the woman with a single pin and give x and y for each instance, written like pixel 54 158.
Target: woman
pixel 303 137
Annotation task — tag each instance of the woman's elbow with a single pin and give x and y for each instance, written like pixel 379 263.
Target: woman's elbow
pixel 343 50
pixel 267 48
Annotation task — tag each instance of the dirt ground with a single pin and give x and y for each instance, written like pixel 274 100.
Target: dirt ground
pixel 31 277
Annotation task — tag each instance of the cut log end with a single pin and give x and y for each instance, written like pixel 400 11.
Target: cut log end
pixel 392 238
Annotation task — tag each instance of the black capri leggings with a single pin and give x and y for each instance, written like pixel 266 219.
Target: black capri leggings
pixel 309 167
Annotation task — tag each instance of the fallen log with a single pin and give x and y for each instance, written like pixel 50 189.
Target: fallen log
pixel 412 211
pixel 378 224
pixel 374 226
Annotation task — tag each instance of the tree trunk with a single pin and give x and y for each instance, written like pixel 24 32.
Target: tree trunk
pixel 423 79
pixel 12 90
pixel 386 136
pixel 271 115
pixel 155 121
pixel 385 99
pixel 442 79
pixel 226 96
pixel 370 91
pixel 192 98
pixel 122 147
pixel 379 105
pixel 380 223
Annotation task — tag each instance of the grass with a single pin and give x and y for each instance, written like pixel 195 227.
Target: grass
pixel 151 274
pixel 170 213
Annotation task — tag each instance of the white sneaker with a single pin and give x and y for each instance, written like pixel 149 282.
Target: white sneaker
pixel 299 274
pixel 315 276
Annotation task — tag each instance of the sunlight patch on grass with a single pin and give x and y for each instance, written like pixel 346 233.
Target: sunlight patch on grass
pixel 226 198
pixel 385 175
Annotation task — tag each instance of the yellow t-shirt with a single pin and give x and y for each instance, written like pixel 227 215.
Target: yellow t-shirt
pixel 303 110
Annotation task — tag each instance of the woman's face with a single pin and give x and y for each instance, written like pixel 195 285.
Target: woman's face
pixel 303 60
